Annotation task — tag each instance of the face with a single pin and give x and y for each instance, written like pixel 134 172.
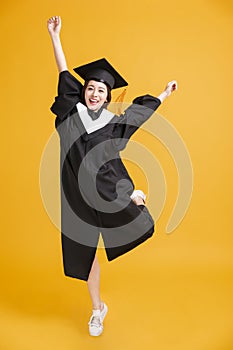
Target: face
pixel 95 95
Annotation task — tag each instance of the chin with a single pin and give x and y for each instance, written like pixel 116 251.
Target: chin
pixel 93 108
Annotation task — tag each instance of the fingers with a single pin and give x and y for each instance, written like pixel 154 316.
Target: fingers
pixel 54 25
pixel 173 85
pixel 55 19
pixel 58 19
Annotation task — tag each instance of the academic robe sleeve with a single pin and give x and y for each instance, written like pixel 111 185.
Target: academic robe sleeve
pixel 69 94
pixel 134 116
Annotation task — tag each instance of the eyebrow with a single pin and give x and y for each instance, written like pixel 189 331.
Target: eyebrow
pixel 100 87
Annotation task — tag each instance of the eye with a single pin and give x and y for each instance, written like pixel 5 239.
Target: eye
pixel 101 91
pixel 89 88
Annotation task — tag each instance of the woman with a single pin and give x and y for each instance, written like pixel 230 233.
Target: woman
pixel 97 194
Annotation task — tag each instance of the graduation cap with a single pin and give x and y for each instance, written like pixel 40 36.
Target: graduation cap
pixel 101 70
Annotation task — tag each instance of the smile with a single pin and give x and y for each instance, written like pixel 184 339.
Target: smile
pixel 92 101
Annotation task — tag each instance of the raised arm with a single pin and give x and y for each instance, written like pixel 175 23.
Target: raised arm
pixel 54 27
pixel 171 86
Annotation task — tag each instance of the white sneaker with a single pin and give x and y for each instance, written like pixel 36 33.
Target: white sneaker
pixel 138 193
pixel 96 321
pixel 103 313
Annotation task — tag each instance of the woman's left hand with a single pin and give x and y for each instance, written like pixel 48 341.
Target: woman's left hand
pixel 171 86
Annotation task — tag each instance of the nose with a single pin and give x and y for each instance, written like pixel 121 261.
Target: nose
pixel 94 92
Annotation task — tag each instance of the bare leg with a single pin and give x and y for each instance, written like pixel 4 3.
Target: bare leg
pixel 94 276
pixel 93 284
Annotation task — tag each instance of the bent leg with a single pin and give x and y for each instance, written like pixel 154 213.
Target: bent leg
pixel 141 204
pixel 115 250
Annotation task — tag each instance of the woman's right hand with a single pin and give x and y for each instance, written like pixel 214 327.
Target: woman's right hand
pixel 54 25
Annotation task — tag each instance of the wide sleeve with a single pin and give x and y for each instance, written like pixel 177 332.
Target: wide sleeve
pixel 134 116
pixel 69 94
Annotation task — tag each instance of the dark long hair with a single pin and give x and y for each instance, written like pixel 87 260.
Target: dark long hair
pixel 109 95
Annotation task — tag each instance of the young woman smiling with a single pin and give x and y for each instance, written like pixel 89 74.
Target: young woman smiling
pixel 131 224
pixel 95 95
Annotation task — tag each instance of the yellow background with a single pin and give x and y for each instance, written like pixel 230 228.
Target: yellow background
pixel 175 291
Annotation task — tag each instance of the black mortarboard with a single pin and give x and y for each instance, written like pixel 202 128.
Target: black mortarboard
pixel 101 70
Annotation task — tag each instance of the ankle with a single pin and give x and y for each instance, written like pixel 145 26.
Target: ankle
pixel 98 307
pixel 138 201
pixel 101 306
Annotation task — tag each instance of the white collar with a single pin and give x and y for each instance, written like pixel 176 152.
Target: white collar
pixel 89 124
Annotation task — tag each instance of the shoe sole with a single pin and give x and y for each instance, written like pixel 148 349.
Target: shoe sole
pixel 96 335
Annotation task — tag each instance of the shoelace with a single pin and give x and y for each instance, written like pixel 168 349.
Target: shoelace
pixel 95 321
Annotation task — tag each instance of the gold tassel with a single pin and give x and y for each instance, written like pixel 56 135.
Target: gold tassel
pixel 119 102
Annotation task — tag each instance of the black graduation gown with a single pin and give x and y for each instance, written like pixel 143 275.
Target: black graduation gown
pixel 95 185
